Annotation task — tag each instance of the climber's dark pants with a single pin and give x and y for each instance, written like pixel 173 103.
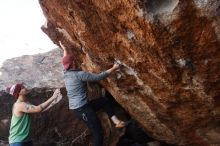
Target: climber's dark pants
pixel 88 114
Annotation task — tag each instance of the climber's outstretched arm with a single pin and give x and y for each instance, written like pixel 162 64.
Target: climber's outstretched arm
pixel 65 50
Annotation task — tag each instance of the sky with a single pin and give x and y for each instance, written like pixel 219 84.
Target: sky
pixel 20 29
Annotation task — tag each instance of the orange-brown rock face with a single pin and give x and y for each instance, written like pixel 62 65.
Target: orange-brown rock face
pixel 170 54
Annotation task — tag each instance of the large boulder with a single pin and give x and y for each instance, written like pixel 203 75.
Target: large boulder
pixel 42 73
pixel 169 50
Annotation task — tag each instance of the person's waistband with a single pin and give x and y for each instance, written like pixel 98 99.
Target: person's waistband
pixel 81 108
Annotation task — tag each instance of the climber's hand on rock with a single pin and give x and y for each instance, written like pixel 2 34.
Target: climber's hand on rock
pixel 113 68
pixel 116 66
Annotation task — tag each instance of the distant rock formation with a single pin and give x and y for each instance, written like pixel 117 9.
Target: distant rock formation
pixel 170 52
pixel 35 71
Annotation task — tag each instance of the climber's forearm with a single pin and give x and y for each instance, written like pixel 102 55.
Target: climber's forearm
pixel 65 50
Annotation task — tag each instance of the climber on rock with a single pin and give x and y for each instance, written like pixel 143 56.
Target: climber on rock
pixel 76 86
pixel 20 128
